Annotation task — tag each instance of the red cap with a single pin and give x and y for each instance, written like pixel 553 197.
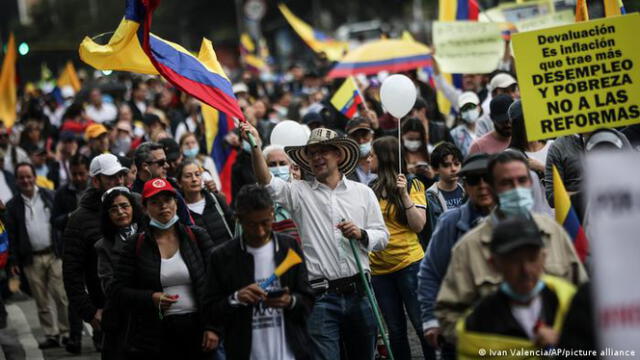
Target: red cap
pixel 155 186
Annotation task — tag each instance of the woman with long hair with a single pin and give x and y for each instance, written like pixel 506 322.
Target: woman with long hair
pixel 536 151
pixel 160 278
pixel 120 215
pixel 415 150
pixel 208 210
pixel 395 269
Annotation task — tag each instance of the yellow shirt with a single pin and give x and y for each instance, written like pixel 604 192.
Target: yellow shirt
pixel 404 247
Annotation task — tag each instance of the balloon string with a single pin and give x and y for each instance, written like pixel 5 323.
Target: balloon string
pixel 399 149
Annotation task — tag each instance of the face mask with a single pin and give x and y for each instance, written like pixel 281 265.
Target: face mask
pixel 122 145
pixel 470 116
pixel 522 298
pixel 281 172
pixel 412 145
pixel 157 224
pixel 191 153
pixel 518 201
pixel 246 146
pixel 365 149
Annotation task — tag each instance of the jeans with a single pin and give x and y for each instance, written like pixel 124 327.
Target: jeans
pixel 342 318
pixel 397 292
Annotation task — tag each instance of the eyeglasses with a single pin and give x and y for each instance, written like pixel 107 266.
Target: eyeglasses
pixel 160 162
pixel 115 209
pixel 474 180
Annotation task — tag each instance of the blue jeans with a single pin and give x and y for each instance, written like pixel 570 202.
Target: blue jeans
pixel 396 292
pixel 342 319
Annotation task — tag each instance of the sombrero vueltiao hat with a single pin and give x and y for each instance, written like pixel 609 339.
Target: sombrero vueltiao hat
pixel 349 150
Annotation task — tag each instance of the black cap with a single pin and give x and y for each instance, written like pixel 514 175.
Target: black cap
pixel 513 233
pixel 499 107
pixel 171 148
pixel 34 149
pixel 150 119
pixel 358 123
pixel 515 110
pixel 475 164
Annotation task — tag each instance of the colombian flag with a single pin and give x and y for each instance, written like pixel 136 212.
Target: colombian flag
pixel 316 40
pixel 455 10
pixel 347 98
pixel 566 216
pixel 217 125
pixel 251 56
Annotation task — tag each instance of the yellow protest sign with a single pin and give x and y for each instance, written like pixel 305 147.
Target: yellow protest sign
pixel 467 46
pixel 581 77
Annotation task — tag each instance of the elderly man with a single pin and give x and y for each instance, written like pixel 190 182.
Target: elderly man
pixel 329 210
pixel 470 276
pixel 280 166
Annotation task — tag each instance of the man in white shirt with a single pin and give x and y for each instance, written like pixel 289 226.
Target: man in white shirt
pixel 34 251
pixel 98 110
pixel 329 210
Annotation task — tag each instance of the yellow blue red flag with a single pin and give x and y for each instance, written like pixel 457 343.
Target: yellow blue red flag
pixel 347 98
pixel 252 56
pixel 217 125
pixel 567 217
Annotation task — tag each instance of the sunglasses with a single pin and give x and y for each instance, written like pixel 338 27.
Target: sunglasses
pixel 160 162
pixel 474 180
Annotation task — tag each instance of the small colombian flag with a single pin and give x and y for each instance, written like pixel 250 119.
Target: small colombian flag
pixel 347 98
pixel 567 217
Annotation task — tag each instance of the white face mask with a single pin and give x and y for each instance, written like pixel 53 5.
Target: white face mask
pixel 471 116
pixel 412 145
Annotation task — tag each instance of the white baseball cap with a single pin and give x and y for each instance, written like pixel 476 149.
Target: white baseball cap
pixel 468 97
pixel 106 164
pixel 501 81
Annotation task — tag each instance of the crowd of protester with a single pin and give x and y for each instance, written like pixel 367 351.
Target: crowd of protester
pixel 114 209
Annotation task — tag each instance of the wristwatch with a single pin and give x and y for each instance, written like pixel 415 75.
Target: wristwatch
pixel 365 237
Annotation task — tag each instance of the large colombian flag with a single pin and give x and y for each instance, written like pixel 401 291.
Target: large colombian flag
pixel 133 48
pixel 567 217
pixel 347 98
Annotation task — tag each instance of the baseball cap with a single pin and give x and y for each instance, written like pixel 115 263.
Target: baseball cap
pixel 468 97
pixel 473 164
pixel 156 186
pixel 171 148
pixel 106 164
pixel 358 123
pixel 499 107
pixel 607 139
pixel 311 118
pixel 515 110
pixel 501 81
pixel 240 88
pixel 513 233
pixel 94 130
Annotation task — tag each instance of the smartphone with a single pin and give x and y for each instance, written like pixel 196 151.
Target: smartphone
pixel 275 293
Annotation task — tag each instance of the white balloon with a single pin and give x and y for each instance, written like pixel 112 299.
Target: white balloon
pixel 398 95
pixel 289 133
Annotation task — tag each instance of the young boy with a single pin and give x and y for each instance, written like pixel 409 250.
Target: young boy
pixel 446 193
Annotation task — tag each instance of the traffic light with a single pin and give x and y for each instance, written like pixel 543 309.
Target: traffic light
pixel 23 48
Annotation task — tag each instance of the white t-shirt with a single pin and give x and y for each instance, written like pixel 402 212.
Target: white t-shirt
pixel 268 336
pixel 175 280
pixel 528 315
pixel 198 206
pixel 107 112
pixel 541 155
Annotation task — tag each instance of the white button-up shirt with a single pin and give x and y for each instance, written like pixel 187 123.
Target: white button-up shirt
pixel 37 221
pixel 317 210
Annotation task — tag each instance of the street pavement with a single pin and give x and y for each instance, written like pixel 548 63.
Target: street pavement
pixel 19 340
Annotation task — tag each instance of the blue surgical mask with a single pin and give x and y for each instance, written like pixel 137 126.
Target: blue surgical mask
pixel 191 153
pixel 522 298
pixel 516 202
pixel 281 172
pixel 164 226
pixel 246 146
pixel 365 149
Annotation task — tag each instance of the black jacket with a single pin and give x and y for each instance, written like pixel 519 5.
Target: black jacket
pixel 242 172
pixel 231 268
pixel 80 261
pixel 211 220
pixel 137 277
pixel 65 202
pixel 20 252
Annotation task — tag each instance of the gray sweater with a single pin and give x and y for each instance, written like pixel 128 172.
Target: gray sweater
pixel 566 154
